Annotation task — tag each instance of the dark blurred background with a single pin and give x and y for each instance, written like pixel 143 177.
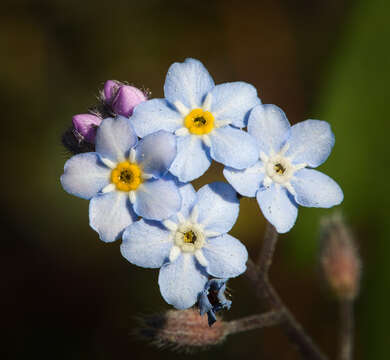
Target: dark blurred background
pixel 67 295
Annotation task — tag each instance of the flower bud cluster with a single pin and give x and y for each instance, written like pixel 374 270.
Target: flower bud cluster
pixel 116 99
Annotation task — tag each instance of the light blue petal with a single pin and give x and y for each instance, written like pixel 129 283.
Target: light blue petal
pixel 311 142
pixel 146 244
pixel 315 189
pixel 226 256
pixel 269 126
pixel 218 207
pixel 245 182
pixel 187 82
pixel 155 152
pixel 192 159
pixel 154 115
pixel 85 175
pixel 110 214
pixel 233 147
pixel 233 102
pixel 157 199
pixel 182 281
pixel 278 207
pixel 188 199
pixel 114 138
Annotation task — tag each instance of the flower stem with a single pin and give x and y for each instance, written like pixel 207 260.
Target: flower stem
pixel 258 274
pixel 347 329
pixel 253 322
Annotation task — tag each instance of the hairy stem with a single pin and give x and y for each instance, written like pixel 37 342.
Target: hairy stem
pixel 347 329
pixel 258 274
pixel 253 322
pixel 267 251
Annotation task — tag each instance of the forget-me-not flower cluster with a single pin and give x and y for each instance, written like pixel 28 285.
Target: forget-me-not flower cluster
pixel 138 177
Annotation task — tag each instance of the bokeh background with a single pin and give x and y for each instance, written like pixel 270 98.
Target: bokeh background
pixel 67 295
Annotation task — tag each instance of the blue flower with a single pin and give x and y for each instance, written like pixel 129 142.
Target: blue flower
pixel 204 117
pixel 213 299
pixel 282 179
pixel 190 245
pixel 124 178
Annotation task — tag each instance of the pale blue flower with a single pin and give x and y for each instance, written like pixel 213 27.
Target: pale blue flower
pixel 282 178
pixel 124 178
pixel 191 245
pixel 212 299
pixel 204 117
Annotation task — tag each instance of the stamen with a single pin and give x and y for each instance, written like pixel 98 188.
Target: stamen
pixel 189 237
pixel 279 168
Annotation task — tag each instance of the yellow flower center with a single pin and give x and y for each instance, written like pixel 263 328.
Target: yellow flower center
pixel 189 237
pixel 126 176
pixel 199 122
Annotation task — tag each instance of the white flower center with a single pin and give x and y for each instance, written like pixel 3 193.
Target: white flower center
pixel 279 168
pixel 189 237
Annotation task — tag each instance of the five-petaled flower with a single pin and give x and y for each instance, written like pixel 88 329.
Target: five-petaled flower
pixel 124 178
pixel 282 179
pixel 204 117
pixel 190 245
pixel 212 299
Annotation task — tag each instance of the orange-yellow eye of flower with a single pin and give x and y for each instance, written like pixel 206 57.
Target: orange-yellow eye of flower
pixel 199 122
pixel 126 176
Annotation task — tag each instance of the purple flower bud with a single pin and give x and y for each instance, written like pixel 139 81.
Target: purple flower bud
pixel 86 125
pixel 126 99
pixel 110 89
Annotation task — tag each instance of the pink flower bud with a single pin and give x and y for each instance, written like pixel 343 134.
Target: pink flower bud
pixel 126 99
pixel 340 259
pixel 110 89
pixel 86 125
pixel 184 329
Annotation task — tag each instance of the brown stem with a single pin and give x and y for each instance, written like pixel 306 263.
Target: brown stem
pixel 258 274
pixel 347 329
pixel 253 322
pixel 268 248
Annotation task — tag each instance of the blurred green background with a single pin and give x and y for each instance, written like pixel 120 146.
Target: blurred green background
pixel 67 295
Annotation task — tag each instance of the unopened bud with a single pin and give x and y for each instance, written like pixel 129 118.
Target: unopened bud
pixel 181 329
pixel 86 125
pixel 110 89
pixel 126 99
pixel 339 258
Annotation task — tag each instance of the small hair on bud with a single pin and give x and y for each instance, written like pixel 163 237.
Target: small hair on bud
pixel 75 143
pixel 181 330
pixel 339 258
